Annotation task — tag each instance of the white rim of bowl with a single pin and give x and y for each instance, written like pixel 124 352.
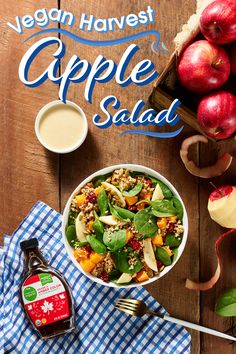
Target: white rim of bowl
pixel 132 167
pixel 54 104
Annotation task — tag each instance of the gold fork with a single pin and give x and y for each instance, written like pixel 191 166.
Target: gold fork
pixel 138 308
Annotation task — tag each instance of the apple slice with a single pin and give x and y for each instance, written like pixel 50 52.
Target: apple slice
pixel 192 285
pixel 222 206
pixel 109 220
pixel 221 165
pixel 80 228
pixel 157 194
pixel 149 256
pixel 124 278
pixel 114 191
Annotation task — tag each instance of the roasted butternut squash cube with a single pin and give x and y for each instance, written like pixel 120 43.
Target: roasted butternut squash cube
pixel 95 257
pixel 131 200
pixel 161 223
pixel 87 265
pixel 142 276
pixel 157 240
pixel 80 199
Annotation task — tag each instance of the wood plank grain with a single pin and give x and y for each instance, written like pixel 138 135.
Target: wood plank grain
pixel 28 171
pixel 105 147
pixel 209 232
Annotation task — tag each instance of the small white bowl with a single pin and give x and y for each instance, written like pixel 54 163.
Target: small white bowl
pixel 41 114
pixel 104 171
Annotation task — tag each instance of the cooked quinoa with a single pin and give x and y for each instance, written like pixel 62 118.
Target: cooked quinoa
pixel 125 223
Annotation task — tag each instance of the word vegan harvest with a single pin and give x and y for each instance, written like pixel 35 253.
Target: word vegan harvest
pixel 43 17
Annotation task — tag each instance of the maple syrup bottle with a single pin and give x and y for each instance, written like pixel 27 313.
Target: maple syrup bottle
pixel 45 294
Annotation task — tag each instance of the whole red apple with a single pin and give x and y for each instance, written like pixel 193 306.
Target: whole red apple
pixel 233 58
pixel 218 21
pixel 203 67
pixel 217 114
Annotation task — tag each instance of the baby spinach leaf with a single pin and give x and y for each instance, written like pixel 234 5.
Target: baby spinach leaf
pixel 72 216
pixel 124 213
pixel 134 191
pixel 102 202
pixel 163 208
pixel 114 240
pixel 175 255
pixel 114 274
pixel 160 214
pixel 179 208
pixel 165 190
pixel 113 211
pixel 98 227
pixel 81 244
pixel 172 241
pixel 163 256
pixel 226 305
pixel 96 245
pixel 145 223
pixel 97 181
pixel 122 262
pixel 71 235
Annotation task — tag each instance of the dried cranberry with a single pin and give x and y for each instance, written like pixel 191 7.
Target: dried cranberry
pixel 92 198
pixel 159 264
pixel 132 208
pixel 170 227
pixel 104 277
pixel 136 245
pixel 148 181
pixel 88 248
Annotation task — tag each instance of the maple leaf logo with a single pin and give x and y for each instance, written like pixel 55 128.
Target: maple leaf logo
pixel 47 307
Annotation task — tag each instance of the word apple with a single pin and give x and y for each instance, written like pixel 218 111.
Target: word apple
pixel 217 114
pixel 203 67
pixel 222 206
pixel 218 21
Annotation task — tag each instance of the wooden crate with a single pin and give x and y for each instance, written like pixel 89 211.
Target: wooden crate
pixel 167 87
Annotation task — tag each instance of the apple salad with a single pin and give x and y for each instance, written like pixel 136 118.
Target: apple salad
pixel 125 227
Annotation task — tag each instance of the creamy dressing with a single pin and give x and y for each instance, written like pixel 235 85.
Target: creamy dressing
pixel 61 127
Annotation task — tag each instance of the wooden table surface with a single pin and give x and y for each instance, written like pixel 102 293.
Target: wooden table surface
pixel 29 172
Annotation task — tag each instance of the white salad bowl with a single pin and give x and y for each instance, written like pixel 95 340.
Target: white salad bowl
pixel 107 170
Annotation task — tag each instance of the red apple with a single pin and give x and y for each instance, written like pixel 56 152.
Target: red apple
pixel 218 21
pixel 217 114
pixel 203 67
pixel 233 58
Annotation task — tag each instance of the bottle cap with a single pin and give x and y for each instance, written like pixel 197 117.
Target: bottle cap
pixel 31 243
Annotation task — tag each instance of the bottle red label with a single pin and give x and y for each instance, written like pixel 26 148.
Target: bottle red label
pixel 45 299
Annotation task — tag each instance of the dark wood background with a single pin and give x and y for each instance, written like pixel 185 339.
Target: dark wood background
pixel 29 172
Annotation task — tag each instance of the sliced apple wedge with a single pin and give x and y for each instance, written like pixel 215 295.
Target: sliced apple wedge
pixel 157 194
pixel 80 227
pixel 115 191
pixel 149 256
pixel 124 278
pixel 109 220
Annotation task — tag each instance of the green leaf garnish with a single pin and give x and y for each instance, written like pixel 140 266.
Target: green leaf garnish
pixel 134 191
pixel 145 223
pixel 163 256
pixel 226 305
pixel 114 240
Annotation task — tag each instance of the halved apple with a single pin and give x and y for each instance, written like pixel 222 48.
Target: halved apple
pixel 222 206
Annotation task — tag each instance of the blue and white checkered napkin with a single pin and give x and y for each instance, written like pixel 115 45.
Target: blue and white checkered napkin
pixel 100 328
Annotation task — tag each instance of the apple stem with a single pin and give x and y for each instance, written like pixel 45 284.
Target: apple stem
pixel 213 185
pixel 219 62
